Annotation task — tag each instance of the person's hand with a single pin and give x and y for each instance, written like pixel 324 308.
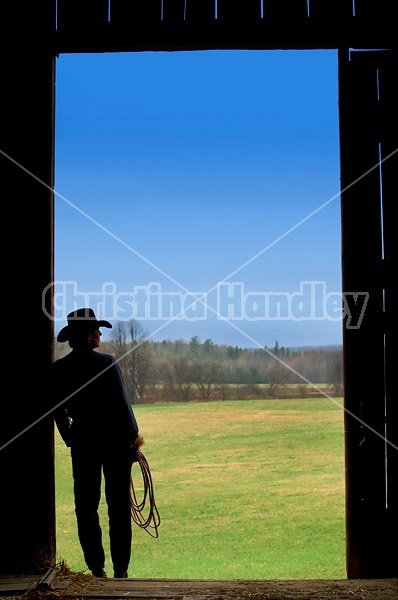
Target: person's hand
pixel 135 447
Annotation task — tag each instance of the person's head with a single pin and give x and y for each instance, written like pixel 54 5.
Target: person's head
pixel 83 329
pixel 94 337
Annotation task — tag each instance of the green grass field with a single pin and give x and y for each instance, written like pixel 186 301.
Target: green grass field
pixel 245 490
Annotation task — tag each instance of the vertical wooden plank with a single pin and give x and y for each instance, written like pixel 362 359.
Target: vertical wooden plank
pixel 32 18
pixel 287 11
pixel 200 11
pixel 49 12
pixel 82 15
pixel 127 14
pixel 387 71
pixel 374 9
pixel 334 10
pixel 362 267
pixel 239 11
pixel 173 11
pixel 27 501
pixel 367 215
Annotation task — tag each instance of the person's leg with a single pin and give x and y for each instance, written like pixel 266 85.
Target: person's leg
pixel 117 473
pixel 87 473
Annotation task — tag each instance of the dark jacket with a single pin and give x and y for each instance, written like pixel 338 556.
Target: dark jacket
pixel 90 400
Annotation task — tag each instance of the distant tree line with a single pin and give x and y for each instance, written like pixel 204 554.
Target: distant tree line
pixel 190 370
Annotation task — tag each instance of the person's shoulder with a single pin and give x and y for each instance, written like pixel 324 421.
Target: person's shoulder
pixel 59 362
pixel 104 357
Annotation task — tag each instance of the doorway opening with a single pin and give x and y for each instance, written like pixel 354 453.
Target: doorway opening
pixel 197 192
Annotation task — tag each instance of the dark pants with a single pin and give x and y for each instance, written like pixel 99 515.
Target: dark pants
pixel 88 464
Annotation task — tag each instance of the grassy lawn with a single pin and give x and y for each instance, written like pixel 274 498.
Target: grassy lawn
pixel 245 490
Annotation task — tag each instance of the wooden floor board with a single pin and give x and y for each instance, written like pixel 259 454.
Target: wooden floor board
pixel 198 589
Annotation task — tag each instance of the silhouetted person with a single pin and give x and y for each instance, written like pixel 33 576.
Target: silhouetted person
pixel 97 422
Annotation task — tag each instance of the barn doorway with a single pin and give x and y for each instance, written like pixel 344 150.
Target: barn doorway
pixel 193 164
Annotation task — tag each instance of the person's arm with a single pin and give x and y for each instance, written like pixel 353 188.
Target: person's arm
pixel 127 408
pixel 121 403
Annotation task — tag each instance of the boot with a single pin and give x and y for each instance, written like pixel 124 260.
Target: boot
pixel 120 573
pixel 100 573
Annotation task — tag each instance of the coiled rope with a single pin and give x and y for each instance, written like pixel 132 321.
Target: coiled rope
pixel 152 521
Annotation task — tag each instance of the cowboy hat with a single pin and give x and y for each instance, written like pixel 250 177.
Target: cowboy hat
pixel 78 320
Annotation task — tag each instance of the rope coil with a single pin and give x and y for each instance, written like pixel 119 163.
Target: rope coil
pixel 152 521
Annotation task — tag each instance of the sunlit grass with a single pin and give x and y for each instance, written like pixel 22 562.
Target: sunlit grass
pixel 245 490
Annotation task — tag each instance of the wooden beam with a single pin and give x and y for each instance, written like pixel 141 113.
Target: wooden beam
pixel 27 500
pixel 388 99
pixel 176 26
pixel 364 345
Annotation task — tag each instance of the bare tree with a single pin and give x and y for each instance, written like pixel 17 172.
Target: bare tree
pixel 182 378
pixel 119 348
pixel 129 344
pixel 277 375
pixel 335 372
pixel 206 374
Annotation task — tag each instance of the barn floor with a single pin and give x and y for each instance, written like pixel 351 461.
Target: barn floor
pixel 52 587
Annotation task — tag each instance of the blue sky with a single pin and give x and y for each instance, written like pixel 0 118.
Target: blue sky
pixel 184 172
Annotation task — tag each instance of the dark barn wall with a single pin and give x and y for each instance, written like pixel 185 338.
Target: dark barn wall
pixel 369 157
pixel 27 498
pixel 27 511
pixel 26 458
